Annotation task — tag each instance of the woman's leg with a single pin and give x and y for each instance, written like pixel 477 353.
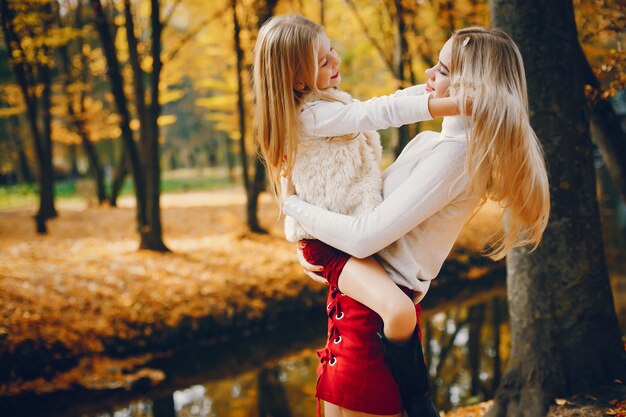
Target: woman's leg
pixel 332 410
pixel 366 281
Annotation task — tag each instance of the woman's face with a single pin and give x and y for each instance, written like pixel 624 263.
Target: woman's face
pixel 439 75
pixel 328 65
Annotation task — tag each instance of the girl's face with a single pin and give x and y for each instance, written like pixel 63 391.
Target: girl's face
pixel 328 65
pixel 439 75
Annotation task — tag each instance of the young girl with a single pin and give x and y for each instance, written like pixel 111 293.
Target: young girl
pixel 439 180
pixel 320 137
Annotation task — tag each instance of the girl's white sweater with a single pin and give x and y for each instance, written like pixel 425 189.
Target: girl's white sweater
pixel 337 164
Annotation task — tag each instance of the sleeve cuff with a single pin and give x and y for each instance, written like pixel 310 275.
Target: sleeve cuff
pixel 290 206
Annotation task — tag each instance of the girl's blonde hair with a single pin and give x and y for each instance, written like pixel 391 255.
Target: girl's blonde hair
pixel 505 160
pixel 286 53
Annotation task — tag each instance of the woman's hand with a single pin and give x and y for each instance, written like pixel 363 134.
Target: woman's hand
pixel 307 267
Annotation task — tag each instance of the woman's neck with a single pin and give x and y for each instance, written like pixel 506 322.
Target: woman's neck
pixel 454 126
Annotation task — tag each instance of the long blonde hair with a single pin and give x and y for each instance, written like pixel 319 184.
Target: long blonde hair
pixel 505 160
pixel 286 52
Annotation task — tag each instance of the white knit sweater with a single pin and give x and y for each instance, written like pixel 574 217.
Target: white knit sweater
pixel 337 164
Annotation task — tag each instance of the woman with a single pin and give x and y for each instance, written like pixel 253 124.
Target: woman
pixel 429 193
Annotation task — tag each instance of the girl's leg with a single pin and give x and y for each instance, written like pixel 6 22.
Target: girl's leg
pixel 332 410
pixel 365 281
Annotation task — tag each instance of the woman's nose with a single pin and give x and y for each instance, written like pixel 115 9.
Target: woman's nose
pixel 429 72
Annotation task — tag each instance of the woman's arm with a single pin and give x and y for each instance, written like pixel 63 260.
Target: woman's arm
pixel 426 191
pixel 328 118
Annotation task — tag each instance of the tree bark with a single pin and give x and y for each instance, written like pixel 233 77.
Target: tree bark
pixel 25 75
pixel 606 130
pixel 138 77
pixel 24 174
pixel 564 332
pixel 151 233
pixel 46 207
pixel 496 322
pixel 76 118
pixel 265 10
pixel 118 179
pixel 240 99
pixel 400 55
pixel 476 320
pixel 117 88
pixel 272 397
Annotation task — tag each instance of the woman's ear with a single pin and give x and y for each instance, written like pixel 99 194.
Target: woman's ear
pixel 298 85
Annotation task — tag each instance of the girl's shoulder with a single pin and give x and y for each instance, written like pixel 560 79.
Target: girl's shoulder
pixel 329 96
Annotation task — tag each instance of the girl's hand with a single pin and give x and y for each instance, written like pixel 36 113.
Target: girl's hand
pixel 286 187
pixel 309 269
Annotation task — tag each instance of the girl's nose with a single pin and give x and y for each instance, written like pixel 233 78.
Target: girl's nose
pixel 429 72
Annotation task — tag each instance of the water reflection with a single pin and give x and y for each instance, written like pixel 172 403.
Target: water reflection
pixel 466 349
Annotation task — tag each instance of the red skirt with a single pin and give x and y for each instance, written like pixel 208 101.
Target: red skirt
pixel 352 373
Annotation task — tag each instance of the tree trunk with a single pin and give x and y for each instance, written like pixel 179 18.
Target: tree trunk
pixel 119 178
pixel 73 155
pixel 272 397
pixel 117 88
pixel 476 319
pixel 606 130
pixel 151 233
pixel 265 10
pixel 138 78
pixel 24 75
pixel 399 63
pixel 24 174
pixel 564 332
pixel 163 406
pixel 46 192
pixel 257 186
pixel 95 168
pixel 496 322
pixel 240 99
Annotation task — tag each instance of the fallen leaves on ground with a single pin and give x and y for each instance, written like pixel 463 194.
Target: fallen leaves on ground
pixel 85 288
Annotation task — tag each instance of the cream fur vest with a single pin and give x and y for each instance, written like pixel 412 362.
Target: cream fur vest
pixel 341 175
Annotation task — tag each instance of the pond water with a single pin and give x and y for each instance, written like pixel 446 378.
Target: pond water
pixel 274 373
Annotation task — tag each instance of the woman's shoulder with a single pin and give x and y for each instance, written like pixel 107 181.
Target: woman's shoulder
pixel 429 143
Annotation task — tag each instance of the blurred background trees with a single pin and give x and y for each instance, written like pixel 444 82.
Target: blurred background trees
pixel 178 100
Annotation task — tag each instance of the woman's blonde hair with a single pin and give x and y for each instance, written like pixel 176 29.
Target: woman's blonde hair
pixel 286 53
pixel 505 161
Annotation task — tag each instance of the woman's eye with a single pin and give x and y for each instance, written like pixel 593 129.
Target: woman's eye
pixel 443 73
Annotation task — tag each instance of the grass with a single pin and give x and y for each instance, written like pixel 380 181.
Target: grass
pixel 27 195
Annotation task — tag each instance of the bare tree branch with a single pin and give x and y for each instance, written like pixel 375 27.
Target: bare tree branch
pixel 388 60
pixel 192 33
pixel 167 19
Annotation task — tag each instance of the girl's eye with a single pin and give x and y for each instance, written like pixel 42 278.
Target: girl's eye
pixel 443 73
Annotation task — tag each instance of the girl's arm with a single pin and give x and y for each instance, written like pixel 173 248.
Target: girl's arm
pixel 426 191
pixel 328 118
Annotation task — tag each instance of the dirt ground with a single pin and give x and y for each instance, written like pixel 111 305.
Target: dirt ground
pixel 610 402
